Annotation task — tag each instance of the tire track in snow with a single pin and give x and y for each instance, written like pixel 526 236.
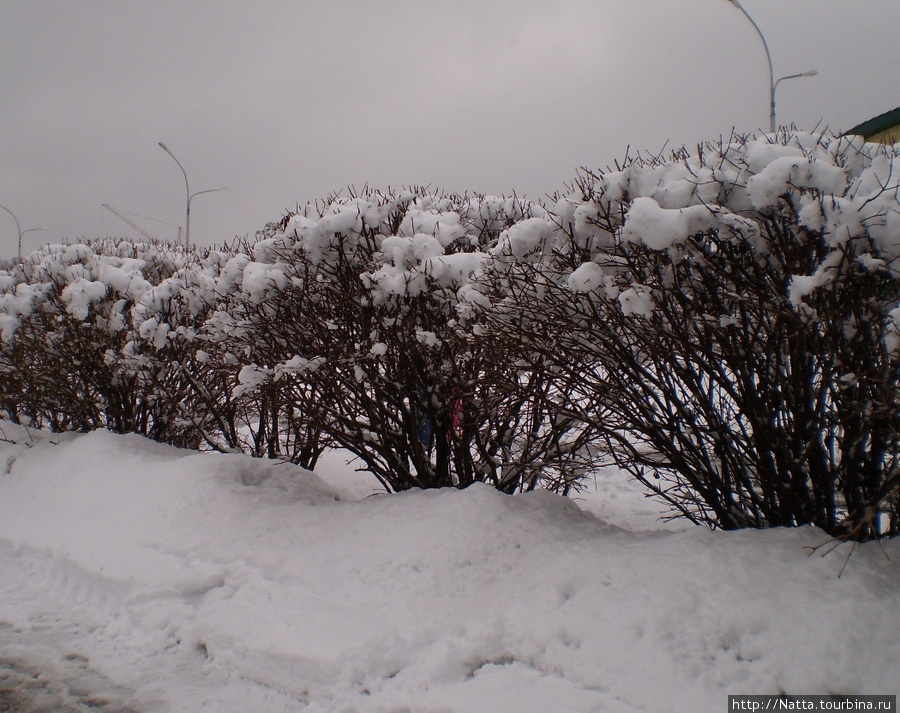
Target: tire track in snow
pixel 70 686
pixel 64 629
pixel 53 618
pixel 72 640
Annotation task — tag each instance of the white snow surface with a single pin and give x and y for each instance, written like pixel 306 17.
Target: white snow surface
pixel 183 581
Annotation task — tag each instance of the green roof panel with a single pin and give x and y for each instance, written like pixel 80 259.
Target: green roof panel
pixel 880 123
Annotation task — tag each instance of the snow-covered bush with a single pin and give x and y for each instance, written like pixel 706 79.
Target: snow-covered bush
pixel 349 323
pixel 731 316
pixel 723 324
pixel 91 338
pixel 62 328
pixel 186 392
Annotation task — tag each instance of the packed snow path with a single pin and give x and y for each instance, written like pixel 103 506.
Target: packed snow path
pixel 138 577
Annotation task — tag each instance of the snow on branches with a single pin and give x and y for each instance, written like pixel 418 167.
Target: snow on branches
pixel 679 316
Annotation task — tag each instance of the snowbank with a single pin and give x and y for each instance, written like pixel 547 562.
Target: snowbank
pixel 209 582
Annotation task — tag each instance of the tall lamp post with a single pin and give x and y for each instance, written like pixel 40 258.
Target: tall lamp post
pixel 190 196
pixel 20 232
pixel 773 84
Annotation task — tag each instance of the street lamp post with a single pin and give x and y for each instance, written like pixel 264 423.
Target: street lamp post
pixel 29 230
pixel 807 73
pixel 773 84
pixel 189 196
pixel 20 232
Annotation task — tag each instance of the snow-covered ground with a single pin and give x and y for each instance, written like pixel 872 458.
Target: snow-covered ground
pixel 138 577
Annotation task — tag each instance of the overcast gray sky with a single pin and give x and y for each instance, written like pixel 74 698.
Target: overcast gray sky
pixel 286 101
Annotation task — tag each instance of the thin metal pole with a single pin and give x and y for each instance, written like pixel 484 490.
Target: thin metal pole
pixel 187 215
pixel 809 73
pixel 190 196
pixel 18 231
pixel 29 230
pixel 762 37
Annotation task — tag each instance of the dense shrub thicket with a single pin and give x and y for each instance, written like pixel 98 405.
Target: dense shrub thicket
pixel 723 324
pixel 349 332
pixel 739 309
